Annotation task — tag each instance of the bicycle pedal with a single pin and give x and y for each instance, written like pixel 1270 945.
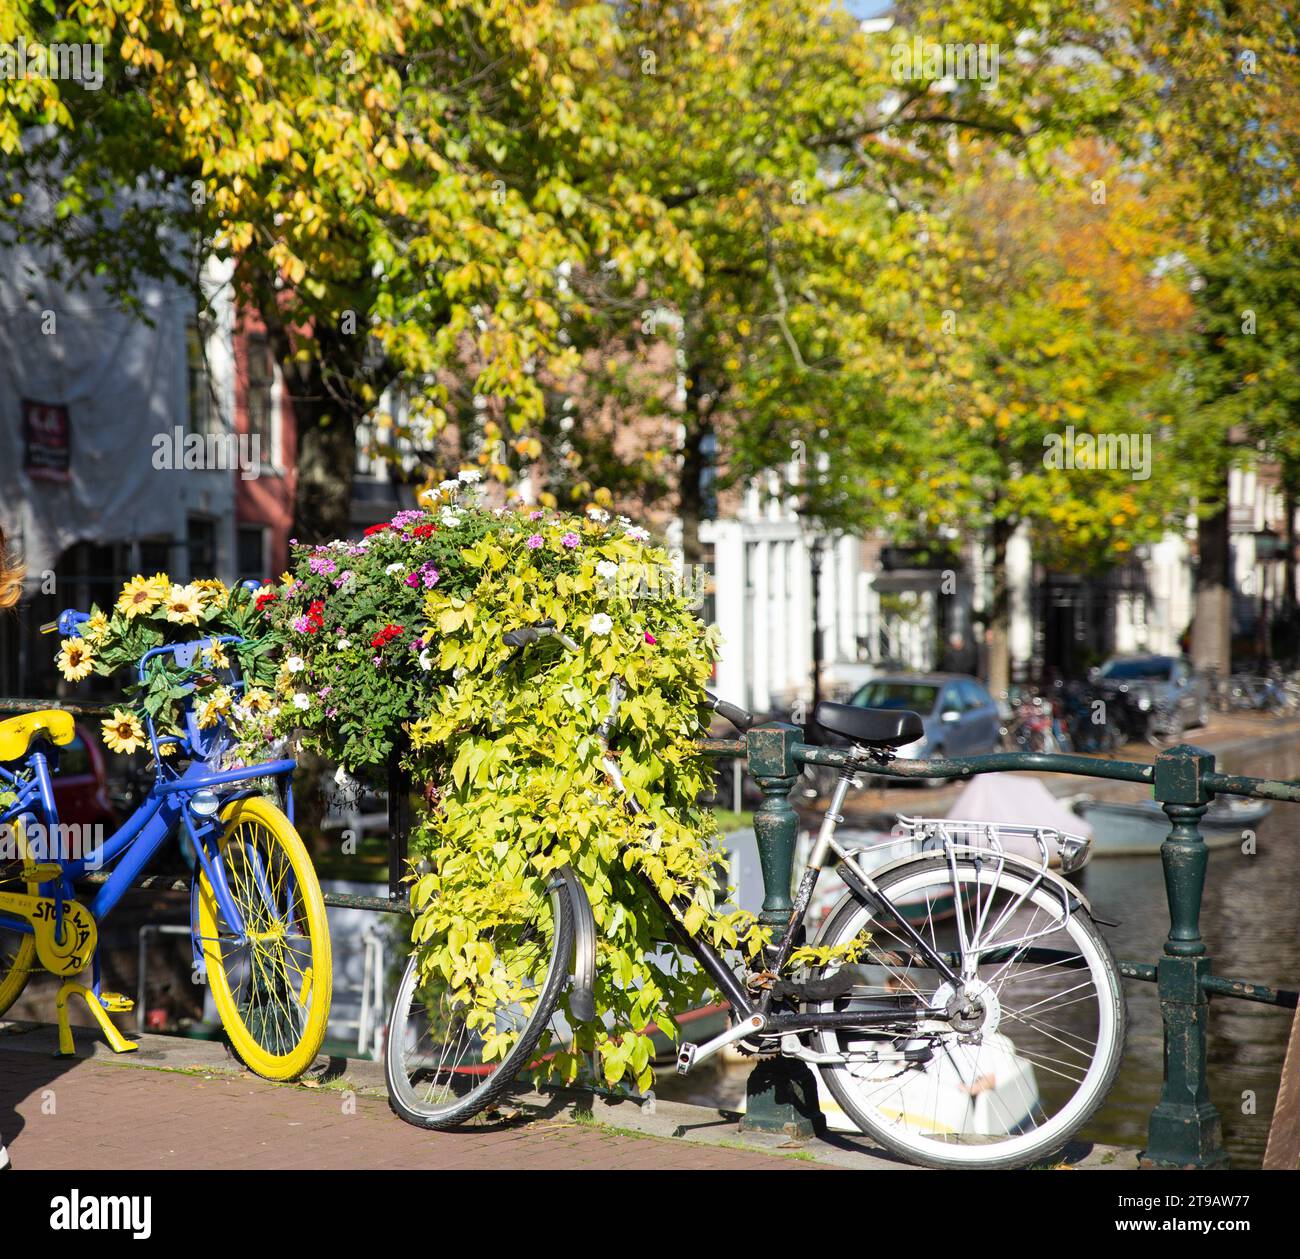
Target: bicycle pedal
pixel 116 1002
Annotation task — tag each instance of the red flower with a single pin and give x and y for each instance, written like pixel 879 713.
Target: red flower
pixel 265 597
pixel 373 529
pixel 386 635
pixel 424 531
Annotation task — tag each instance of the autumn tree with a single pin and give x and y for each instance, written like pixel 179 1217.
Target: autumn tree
pixel 403 189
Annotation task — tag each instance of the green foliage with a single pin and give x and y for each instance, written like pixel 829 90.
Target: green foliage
pixel 522 789
pixel 401 632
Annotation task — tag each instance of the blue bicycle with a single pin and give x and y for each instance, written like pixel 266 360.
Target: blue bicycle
pixel 257 921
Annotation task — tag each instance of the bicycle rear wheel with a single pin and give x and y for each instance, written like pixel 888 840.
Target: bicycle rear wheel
pixel 448 1056
pixel 271 980
pixel 1035 1034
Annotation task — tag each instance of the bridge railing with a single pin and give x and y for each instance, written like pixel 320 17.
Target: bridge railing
pixel 1184 1129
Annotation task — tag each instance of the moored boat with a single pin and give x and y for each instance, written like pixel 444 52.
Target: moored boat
pixel 1138 828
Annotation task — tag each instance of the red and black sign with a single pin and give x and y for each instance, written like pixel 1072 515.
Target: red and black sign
pixel 47 441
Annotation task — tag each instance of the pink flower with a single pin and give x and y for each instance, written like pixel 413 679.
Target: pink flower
pixel 534 542
pixel 651 639
pixel 570 540
pixel 535 515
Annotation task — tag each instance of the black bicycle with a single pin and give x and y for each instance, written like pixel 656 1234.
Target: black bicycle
pixel 979 1023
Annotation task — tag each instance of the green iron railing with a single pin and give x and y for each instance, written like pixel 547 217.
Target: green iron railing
pixel 1184 1130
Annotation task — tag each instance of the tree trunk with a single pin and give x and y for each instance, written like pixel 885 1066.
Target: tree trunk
pixel 999 616
pixel 698 424
pixel 1212 620
pixel 324 392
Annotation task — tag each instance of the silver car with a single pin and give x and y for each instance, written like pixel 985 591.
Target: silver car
pixel 957 712
pixel 1167 690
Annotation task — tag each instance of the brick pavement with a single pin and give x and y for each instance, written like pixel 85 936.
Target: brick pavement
pixel 89 1114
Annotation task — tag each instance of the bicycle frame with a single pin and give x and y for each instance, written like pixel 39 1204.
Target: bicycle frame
pixel 171 801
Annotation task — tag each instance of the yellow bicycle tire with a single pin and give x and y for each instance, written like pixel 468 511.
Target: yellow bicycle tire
pixel 18 967
pixel 244 819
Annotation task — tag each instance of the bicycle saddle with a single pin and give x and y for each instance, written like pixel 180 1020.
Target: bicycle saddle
pixel 17 733
pixel 872 727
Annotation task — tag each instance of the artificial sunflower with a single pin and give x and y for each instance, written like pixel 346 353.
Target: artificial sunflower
pixel 95 630
pixel 258 701
pixel 215 655
pixel 212 593
pixel 122 731
pixel 139 597
pixel 182 605
pixel 212 709
pixel 75 659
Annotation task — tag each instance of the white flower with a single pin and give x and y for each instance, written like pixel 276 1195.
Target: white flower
pixel 301 700
pixel 598 514
pixel 426 661
pixel 468 475
pixel 635 531
pixel 295 664
pixel 343 644
pixel 450 518
pixel 448 487
pixel 606 569
pixel 394 568
pixel 600 624
pixel 240 712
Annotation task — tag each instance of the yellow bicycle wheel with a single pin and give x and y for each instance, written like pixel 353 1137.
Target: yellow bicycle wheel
pixel 270 981
pixel 17 948
pixel 17 962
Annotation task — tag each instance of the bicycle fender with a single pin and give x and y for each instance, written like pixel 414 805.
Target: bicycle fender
pixel 1070 895
pixel 582 1000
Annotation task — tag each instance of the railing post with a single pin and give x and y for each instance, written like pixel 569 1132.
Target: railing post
pixel 1184 1129
pixel 781 1093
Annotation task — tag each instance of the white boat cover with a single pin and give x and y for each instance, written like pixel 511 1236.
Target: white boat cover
pixel 1020 799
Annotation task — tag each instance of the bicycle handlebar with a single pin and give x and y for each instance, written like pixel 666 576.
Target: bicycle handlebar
pixel 66 624
pixel 737 716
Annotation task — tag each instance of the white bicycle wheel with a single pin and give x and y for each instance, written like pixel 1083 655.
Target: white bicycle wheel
pixel 1041 1029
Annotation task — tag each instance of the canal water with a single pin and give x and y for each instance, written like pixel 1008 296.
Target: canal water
pixel 1250 919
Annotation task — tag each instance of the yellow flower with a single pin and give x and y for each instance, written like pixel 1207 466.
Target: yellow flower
pixel 212 593
pixel 75 659
pixel 122 731
pixel 139 597
pixel 215 655
pixel 183 606
pixel 95 630
pixel 258 701
pixel 212 709
pixel 167 749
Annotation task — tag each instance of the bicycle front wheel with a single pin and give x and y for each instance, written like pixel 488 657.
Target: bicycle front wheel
pixel 452 1052
pixel 271 973
pixel 1035 1028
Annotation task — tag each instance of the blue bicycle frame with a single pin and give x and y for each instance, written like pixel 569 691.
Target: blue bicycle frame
pixel 192 797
